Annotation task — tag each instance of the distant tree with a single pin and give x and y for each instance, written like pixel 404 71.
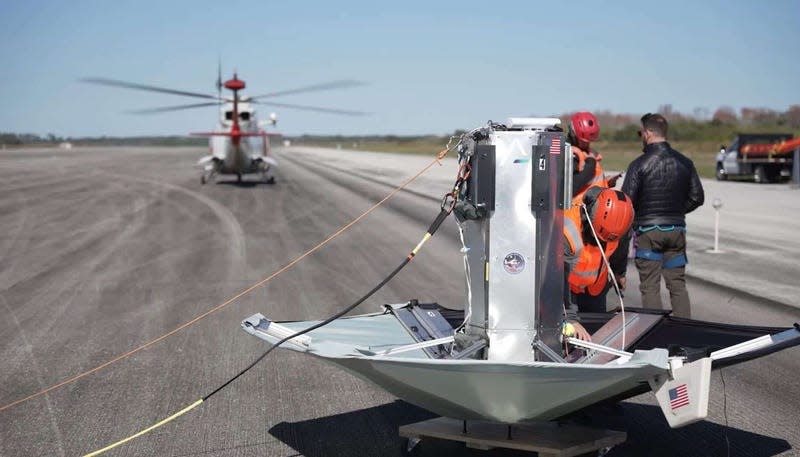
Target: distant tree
pixel 747 115
pixel 627 133
pixel 701 113
pixel 759 116
pixel 9 138
pixel 724 115
pixel 793 116
pixel 610 121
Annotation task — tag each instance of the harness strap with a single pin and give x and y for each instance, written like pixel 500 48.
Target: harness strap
pixel 660 228
pixel 678 261
pixel 649 255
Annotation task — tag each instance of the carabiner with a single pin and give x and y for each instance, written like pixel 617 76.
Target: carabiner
pixel 448 202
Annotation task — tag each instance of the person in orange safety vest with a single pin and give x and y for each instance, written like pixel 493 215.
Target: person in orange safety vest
pixel 583 130
pixel 610 213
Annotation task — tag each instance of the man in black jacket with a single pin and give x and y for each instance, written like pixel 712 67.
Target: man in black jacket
pixel 663 185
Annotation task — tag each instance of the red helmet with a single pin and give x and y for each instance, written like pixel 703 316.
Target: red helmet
pixel 585 126
pixel 611 214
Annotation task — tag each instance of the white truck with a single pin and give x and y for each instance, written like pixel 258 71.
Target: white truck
pixel 762 157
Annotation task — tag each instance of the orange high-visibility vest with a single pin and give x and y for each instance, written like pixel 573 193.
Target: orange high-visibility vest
pixel 587 272
pixel 599 178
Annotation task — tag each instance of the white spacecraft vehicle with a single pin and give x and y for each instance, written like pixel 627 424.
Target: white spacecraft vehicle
pixel 502 359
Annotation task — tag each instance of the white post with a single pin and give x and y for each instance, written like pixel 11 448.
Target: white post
pixel 717 204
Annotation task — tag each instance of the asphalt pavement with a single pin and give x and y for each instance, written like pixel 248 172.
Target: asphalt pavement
pixel 104 249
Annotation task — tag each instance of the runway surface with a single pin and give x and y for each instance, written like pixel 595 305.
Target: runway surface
pixel 104 249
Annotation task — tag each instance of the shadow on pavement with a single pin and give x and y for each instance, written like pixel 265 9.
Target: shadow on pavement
pixel 244 183
pixel 649 434
pixel 373 432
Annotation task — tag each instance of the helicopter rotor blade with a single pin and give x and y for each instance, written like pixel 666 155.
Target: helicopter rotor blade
pixel 145 87
pixel 313 108
pixel 219 78
pixel 340 84
pixel 165 109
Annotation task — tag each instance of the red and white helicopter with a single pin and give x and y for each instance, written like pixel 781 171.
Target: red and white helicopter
pixel 241 146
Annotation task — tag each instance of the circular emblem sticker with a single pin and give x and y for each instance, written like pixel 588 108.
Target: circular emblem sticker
pixel 514 263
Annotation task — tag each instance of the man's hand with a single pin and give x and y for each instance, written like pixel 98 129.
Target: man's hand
pixel 622 282
pixel 581 333
pixel 612 182
pixel 575 329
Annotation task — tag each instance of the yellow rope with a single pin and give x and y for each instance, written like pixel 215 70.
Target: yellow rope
pixel 147 430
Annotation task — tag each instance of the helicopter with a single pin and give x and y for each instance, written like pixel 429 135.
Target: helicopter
pixel 241 145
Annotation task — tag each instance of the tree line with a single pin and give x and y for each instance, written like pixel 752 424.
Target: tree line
pixel 700 125
pixel 32 139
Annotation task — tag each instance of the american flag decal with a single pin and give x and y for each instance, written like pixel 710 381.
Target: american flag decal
pixel 678 397
pixel 555 145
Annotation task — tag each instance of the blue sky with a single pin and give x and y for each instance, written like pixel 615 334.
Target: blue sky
pixel 432 67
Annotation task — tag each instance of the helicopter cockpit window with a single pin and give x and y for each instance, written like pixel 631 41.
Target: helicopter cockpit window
pixel 228 115
pixel 244 115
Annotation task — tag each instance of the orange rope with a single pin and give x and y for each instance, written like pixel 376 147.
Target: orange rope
pixel 231 300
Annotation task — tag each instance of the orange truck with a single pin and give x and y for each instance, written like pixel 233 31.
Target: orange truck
pixel 762 157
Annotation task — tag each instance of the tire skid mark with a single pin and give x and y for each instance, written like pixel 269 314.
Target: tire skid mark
pixel 236 236
pixel 76 241
pixel 65 186
pixel 143 256
pixel 15 241
pixel 38 373
pixel 96 251
pixel 55 220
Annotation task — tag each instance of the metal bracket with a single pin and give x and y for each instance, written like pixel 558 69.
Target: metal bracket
pixel 547 351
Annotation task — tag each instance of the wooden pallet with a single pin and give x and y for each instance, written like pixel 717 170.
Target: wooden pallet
pixel 549 439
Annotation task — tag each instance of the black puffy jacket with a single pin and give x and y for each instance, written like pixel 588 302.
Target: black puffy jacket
pixel 663 185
